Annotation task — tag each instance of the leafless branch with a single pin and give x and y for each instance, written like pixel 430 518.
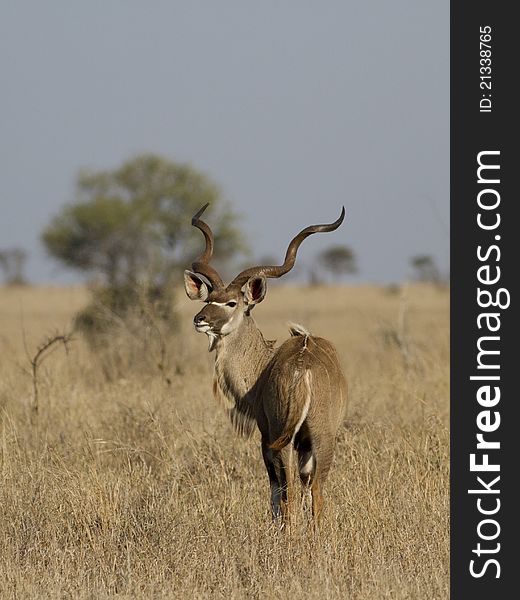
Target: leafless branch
pixel 42 353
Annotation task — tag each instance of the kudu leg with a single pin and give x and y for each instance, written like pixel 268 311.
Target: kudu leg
pixel 310 471
pixel 274 464
pixel 306 462
pixel 306 470
pixel 317 502
pixel 322 455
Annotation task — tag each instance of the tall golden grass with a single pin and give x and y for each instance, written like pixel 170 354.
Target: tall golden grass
pixel 137 487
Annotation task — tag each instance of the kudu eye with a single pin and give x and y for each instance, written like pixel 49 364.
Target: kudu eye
pixel 232 304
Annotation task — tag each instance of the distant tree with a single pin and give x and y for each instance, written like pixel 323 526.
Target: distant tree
pixel 133 223
pixel 338 260
pixel 132 227
pixel 12 263
pixel 425 269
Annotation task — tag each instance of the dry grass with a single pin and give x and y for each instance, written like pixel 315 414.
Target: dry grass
pixel 137 488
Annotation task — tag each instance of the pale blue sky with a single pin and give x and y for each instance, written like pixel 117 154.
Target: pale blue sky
pixel 294 107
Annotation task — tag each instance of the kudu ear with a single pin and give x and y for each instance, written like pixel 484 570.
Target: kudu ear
pixel 254 290
pixel 197 286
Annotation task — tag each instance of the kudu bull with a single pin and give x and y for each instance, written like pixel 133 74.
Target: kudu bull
pixel 295 394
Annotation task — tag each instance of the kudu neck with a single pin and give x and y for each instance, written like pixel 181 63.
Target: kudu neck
pixel 246 344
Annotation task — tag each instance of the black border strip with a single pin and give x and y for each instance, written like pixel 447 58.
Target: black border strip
pixel 473 131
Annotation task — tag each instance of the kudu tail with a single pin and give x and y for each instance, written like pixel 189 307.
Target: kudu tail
pixel 299 402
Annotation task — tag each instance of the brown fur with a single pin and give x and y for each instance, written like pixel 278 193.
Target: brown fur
pixel 267 386
pixel 296 394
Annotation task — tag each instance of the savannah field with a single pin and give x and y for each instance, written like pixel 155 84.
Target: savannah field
pixel 129 482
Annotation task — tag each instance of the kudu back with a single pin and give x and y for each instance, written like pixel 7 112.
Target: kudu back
pixel 295 394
